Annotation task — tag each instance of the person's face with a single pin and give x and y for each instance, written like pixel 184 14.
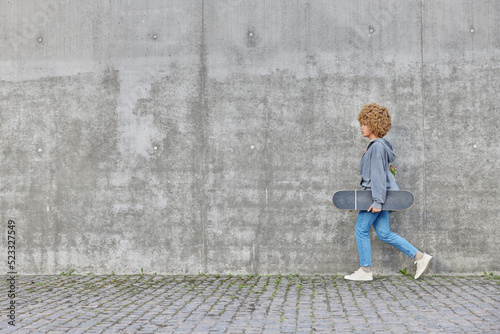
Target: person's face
pixel 366 131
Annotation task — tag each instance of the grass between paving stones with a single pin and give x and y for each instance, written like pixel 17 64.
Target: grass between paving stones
pixel 226 289
pixel 70 278
pixel 92 283
pixel 491 276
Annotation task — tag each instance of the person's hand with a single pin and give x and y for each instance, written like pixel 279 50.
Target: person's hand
pixel 372 209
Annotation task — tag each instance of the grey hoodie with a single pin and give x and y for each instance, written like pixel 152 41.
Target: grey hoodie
pixel 374 170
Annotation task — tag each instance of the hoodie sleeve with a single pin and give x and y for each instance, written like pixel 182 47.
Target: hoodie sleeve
pixel 378 176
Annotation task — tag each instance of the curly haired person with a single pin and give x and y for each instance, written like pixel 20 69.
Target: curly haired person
pixel 375 122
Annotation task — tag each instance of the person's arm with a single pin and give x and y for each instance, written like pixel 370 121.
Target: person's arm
pixel 378 178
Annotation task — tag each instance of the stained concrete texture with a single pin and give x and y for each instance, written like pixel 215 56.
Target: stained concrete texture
pixel 209 136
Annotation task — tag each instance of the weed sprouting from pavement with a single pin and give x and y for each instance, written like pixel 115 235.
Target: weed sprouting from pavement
pixel 491 276
pixel 68 273
pixel 405 272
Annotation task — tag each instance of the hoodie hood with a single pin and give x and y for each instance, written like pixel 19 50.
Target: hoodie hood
pixel 388 145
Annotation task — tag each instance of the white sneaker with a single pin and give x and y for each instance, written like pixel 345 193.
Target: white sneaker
pixel 360 275
pixel 422 265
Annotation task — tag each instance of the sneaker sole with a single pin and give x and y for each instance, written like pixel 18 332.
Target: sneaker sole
pixel 359 279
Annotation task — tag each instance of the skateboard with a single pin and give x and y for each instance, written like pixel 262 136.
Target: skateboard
pixel 396 200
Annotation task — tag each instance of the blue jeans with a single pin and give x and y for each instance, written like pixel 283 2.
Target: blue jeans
pixel 380 221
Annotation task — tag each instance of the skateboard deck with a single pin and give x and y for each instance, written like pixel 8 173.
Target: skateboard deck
pixel 396 200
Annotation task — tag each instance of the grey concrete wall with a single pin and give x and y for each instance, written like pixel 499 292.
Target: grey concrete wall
pixel 208 136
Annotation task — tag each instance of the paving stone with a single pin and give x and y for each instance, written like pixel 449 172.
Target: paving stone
pixel 256 304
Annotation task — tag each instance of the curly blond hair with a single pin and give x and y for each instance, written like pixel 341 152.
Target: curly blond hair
pixel 375 117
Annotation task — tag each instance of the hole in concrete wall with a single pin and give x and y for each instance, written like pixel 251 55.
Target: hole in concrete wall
pixel 252 38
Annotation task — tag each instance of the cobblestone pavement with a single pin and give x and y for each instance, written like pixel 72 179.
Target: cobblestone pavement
pixel 251 304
